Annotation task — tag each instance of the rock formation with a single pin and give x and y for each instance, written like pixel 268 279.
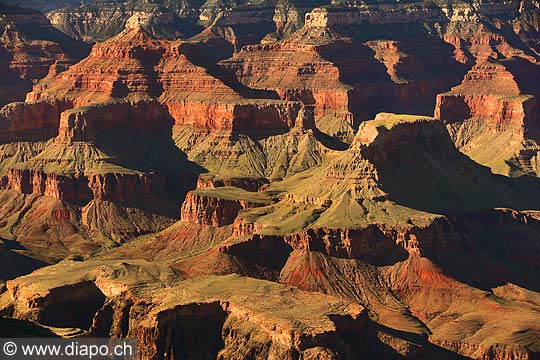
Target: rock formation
pixel 29 48
pixel 256 191
pixel 218 207
pixel 157 316
pixel 342 63
pixel 496 102
pixel 98 22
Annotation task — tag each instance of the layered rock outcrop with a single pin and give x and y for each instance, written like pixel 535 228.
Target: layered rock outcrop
pixel 99 22
pixel 154 316
pixel 497 101
pixel 501 93
pixel 35 121
pixel 88 122
pixel 377 75
pixel 421 252
pixel 132 82
pixel 219 207
pixel 210 181
pixel 81 189
pixel 136 66
pixel 29 46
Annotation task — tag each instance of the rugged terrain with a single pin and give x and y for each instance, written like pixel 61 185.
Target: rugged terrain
pixel 273 179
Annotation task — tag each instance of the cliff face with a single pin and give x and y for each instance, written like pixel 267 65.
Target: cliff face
pixel 95 22
pixel 307 78
pixel 29 46
pixel 156 318
pixel 82 189
pixel 88 122
pixel 497 99
pixel 136 66
pixel 74 190
pixel 209 208
pixel 339 62
pixel 501 93
pixel 97 123
pixel 31 121
pixel 225 196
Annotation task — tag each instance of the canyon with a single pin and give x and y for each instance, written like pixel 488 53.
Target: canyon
pixel 279 179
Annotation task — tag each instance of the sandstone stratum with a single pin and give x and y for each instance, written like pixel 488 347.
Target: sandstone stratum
pixel 273 179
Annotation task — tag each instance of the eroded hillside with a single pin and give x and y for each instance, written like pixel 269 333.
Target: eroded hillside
pixel 279 180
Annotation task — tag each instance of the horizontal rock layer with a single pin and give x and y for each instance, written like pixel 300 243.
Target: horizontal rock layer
pixel 208 209
pixel 121 188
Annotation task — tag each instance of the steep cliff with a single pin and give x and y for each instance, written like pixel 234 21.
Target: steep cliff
pixel 135 66
pixel 101 134
pixel 157 317
pixel 98 22
pixel 219 207
pixel 496 103
pixel 226 197
pixel 29 46
pixel 353 62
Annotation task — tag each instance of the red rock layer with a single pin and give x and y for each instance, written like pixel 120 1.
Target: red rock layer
pixel 206 209
pixel 31 121
pixel 29 46
pixel 401 143
pixel 243 228
pixel 347 80
pixel 85 123
pixel 503 94
pixel 243 116
pixel 374 241
pixel 120 188
pixel 59 187
pixel 118 67
pixel 136 67
pixel 297 72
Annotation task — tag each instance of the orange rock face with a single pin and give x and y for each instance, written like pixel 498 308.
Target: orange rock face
pixel 121 187
pixel 137 67
pixel 306 77
pixel 502 94
pixel 497 102
pixel 86 123
pixel 324 66
pixel 204 209
pixel 31 121
pixel 82 189
pixel 73 190
pixel 228 196
pixel 27 56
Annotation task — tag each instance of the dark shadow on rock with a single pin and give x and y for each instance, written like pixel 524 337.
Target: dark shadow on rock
pixel 192 331
pixel 369 245
pixel 71 306
pixel 13 328
pixel 502 247
pixel 41 29
pixel 260 257
pixel 330 142
pixel 360 339
pixel 374 90
pixel 14 264
pixel 448 182
pixel 209 53
pixel 426 351
pixel 148 154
